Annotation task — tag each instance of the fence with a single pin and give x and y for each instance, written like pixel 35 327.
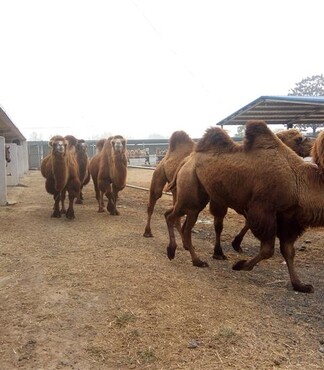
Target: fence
pixel 37 150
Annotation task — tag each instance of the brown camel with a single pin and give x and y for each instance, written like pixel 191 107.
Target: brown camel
pixel 302 146
pixel 262 179
pixel 60 169
pixel 78 148
pixel 180 146
pixel 108 170
pixel 293 138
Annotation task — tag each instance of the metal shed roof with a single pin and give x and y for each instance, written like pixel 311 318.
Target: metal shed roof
pixel 283 110
pixel 8 129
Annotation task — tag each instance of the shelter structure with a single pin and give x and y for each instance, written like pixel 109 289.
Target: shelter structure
pixel 283 110
pixel 12 140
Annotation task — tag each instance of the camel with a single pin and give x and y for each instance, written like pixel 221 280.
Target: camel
pixel 180 146
pixel 60 170
pixel 292 138
pixel 78 148
pixel 108 170
pixel 262 179
pixel 302 146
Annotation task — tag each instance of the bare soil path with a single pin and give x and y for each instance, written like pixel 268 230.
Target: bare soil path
pixel 93 293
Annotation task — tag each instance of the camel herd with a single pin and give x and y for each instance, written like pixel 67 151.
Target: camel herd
pixel 67 168
pixel 264 179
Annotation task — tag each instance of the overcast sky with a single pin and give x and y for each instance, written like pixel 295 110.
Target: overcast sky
pixel 143 67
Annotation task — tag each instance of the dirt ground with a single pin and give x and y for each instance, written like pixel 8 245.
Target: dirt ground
pixel 93 293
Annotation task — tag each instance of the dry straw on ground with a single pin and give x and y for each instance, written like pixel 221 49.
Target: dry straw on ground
pixel 92 293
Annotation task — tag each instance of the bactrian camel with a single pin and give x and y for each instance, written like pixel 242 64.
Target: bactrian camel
pixel 262 179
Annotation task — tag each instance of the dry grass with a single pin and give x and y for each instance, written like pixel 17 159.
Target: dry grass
pixel 92 293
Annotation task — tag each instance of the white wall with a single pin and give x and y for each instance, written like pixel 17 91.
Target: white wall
pixel 3 177
pixel 13 166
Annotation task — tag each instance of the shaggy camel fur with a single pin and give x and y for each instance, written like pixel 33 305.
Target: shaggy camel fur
pixel 79 148
pixel 302 146
pixel 292 138
pixel 264 180
pixel 60 170
pixel 99 145
pixel 296 141
pixel 108 170
pixel 180 146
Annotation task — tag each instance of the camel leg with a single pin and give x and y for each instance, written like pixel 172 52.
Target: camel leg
pixel 266 251
pixel 73 191
pixel 236 243
pixel 70 211
pixel 263 224
pixel 79 199
pixel 288 251
pixel 187 241
pixel 156 188
pixel 112 198
pixel 219 214
pixel 56 209
pixel 288 232
pixel 170 219
pixel 63 195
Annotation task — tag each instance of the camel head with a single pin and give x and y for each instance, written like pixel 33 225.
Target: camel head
pixel 118 144
pixel 81 146
pixel 58 145
pixel 299 143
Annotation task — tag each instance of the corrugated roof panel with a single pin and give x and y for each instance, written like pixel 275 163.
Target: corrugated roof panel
pixel 281 110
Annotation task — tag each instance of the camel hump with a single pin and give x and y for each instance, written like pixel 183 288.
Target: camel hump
pixel 215 138
pixel 259 136
pixel 177 138
pixel 318 150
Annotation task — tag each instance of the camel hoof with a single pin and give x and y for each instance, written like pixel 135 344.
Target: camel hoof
pixel 147 234
pixel 70 214
pixel 100 210
pixel 200 263
pixel 303 288
pixel 171 253
pixel 219 256
pixel 239 265
pixel 56 214
pixel 236 246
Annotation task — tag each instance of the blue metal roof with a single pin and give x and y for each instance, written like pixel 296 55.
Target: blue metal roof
pixel 283 110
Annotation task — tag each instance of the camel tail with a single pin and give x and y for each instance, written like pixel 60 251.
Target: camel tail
pixel 173 183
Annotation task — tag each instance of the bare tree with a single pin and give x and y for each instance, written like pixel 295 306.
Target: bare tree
pixel 309 86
